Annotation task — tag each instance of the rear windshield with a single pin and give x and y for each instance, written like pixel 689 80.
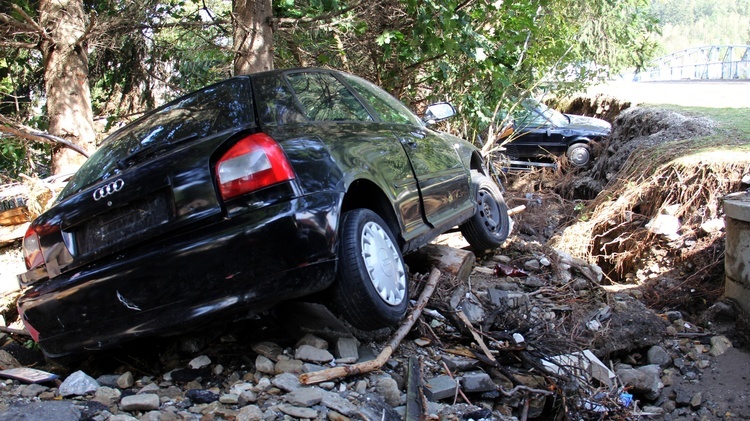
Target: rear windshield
pixel 215 109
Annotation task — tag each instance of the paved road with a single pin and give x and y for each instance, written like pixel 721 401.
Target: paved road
pixel 700 93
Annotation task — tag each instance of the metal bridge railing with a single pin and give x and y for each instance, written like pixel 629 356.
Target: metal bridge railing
pixel 707 62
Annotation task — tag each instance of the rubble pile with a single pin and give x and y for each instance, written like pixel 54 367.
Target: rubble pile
pixel 531 335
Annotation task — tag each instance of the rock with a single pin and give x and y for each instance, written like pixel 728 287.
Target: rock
pixel 199 362
pixel 305 396
pixel 719 345
pixel 247 397
pixel 508 299
pixel 477 381
pixel 644 381
pixel 149 388
pixel 201 396
pixel 312 340
pixel 666 225
pixel 268 349
pixel 8 361
pixel 440 387
pixel 682 397
pixel 286 381
pixel 250 413
pixel 125 380
pixel 146 402
pixel 659 356
pixel 338 403
pixel 109 380
pixel 312 354
pixel 459 363
pixel 107 396
pixel 50 410
pixel 696 400
pixel 388 389
pixel 78 384
pixel 289 366
pixel 297 412
pixel 472 308
pixel 264 365
pixel 347 350
pixel 712 225
pixel 532 265
pixel 229 399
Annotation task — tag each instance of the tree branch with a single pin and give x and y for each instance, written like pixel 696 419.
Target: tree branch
pixel 28 133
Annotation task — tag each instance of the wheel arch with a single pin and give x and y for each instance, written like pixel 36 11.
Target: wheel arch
pixel 363 193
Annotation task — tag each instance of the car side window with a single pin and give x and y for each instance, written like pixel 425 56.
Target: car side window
pixel 324 98
pixel 276 105
pixel 389 109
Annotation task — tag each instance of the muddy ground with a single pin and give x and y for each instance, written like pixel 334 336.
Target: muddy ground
pixel 583 270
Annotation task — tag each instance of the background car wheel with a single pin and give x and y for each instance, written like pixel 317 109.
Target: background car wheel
pixel 488 228
pixel 371 289
pixel 579 154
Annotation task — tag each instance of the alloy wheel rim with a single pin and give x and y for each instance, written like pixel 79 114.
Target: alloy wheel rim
pixel 383 264
pixel 580 156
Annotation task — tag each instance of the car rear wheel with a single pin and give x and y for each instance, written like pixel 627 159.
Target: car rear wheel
pixel 579 154
pixel 371 289
pixel 489 226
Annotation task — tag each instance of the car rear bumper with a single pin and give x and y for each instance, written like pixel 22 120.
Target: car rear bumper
pixel 242 264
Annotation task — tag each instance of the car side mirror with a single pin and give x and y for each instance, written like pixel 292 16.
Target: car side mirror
pixel 438 112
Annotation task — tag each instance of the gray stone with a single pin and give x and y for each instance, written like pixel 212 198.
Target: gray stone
pixel 338 403
pixel 347 350
pixel 289 366
pixel 126 417
pixel 109 380
pixel 78 384
pixel 653 410
pixel 145 402
pixel 107 395
pixel 250 413
pixel 659 356
pixel 312 354
pixel 33 390
pixel 312 340
pixel 508 299
pixel 477 381
pixel 440 387
pixel 199 362
pixel 682 397
pixel 125 380
pixel 149 388
pixel 286 381
pixel 268 349
pixel 388 389
pixel 229 399
pixel 48 410
pixel 696 400
pixel 644 381
pixel 264 365
pixel 472 308
pixel 719 345
pixel 305 396
pixel 298 412
pixel 247 397
pixel 532 265
pixel 459 363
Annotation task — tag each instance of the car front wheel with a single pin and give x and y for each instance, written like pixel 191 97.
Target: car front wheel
pixel 579 154
pixel 371 288
pixel 489 226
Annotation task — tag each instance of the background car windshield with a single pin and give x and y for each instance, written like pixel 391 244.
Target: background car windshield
pixel 535 114
pixel 389 109
pixel 218 108
pixel 324 98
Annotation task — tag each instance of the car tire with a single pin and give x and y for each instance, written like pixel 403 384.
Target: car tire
pixel 489 226
pixel 579 154
pixel 371 290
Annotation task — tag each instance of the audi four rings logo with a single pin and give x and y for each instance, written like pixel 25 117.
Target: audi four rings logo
pixel 108 189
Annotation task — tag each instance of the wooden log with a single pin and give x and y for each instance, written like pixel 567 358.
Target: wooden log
pixel 449 260
pixel 382 358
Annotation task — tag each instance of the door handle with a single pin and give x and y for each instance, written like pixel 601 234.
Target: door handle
pixel 410 142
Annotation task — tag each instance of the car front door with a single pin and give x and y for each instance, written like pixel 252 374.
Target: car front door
pixel 442 179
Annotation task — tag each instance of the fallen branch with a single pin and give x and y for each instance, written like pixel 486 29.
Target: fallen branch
pixel 6 126
pixel 477 337
pixel 385 354
pixel 12 331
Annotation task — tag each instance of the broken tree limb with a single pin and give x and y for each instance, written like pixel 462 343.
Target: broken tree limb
pixel 477 336
pixel 449 260
pixel 516 210
pixel 382 358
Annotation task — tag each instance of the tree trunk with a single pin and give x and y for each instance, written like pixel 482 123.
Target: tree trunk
pixel 253 36
pixel 66 80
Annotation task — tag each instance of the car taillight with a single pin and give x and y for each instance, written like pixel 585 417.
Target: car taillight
pixel 32 252
pixel 254 162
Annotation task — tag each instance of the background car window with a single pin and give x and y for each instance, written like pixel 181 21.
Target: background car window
pixel 324 98
pixel 389 109
pixel 276 105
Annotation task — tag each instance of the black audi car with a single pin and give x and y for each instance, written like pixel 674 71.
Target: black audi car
pixel 246 193
pixel 541 132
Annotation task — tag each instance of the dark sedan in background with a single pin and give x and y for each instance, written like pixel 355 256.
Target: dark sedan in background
pixel 255 190
pixel 539 132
